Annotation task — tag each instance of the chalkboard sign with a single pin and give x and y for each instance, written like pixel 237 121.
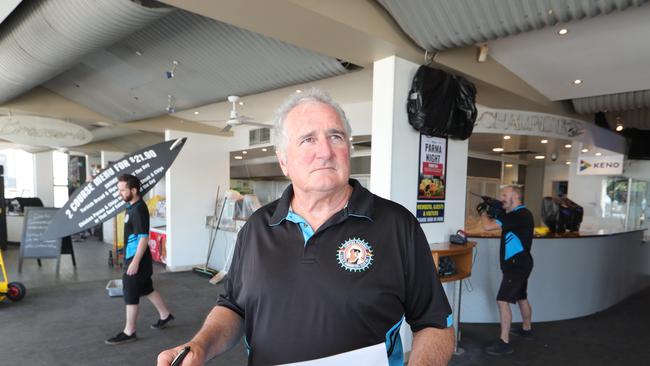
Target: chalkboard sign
pixel 36 221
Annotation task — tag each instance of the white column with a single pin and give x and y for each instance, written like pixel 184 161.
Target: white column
pixel 395 149
pixel 44 177
pixel 191 186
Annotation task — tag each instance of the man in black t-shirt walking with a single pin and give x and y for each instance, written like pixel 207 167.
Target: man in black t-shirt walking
pixel 517 226
pixel 137 278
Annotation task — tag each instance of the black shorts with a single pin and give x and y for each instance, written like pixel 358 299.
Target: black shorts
pixel 137 285
pixel 513 287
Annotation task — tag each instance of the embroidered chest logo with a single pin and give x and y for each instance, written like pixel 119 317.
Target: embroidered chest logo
pixel 355 255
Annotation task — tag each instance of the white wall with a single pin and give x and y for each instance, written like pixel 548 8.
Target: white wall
pixel 43 176
pixel 553 173
pixel 191 187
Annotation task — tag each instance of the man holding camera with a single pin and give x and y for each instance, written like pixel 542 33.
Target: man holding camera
pixel 517 226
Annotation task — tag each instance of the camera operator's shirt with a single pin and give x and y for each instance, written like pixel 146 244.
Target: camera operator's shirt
pixel 517 228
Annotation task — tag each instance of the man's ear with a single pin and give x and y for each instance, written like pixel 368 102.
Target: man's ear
pixel 283 163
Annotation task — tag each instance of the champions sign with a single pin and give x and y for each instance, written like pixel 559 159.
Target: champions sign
pixel 600 165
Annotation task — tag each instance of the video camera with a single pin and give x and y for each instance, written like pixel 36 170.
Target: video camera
pixel 492 206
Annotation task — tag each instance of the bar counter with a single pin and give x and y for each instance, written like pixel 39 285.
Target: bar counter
pixel 574 274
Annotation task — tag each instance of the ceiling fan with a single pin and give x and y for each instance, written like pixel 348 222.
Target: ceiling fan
pixel 235 119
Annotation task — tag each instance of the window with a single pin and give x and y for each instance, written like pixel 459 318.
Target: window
pixel 18 172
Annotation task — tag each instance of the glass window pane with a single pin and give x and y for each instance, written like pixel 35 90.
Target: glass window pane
pixel 60 195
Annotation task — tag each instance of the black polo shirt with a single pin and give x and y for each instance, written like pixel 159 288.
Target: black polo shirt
pixel 305 294
pixel 517 227
pixel 136 226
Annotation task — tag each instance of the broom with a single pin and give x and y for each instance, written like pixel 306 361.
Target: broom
pixel 205 270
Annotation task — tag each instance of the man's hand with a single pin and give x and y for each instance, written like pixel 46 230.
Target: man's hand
pixel 195 356
pixel 133 268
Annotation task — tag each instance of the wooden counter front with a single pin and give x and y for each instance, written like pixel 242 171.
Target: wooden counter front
pixel 460 254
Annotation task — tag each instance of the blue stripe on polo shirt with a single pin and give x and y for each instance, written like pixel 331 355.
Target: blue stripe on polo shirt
pixel 513 245
pixel 132 244
pixel 394 345
pixel 305 228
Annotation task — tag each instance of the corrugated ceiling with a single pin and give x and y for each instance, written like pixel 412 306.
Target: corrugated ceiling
pixel 437 25
pixel 43 38
pixel 215 60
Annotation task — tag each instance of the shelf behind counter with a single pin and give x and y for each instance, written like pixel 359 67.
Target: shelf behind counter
pixel 574 275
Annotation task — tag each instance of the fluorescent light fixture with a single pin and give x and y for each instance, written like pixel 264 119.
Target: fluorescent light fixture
pixel 539 157
pixel 241 103
pixel 568 163
pixel 568 146
pixel 196 112
pixel 585 150
pixel 577 81
pixel 298 90
pixel 264 149
pixel 238 157
pixel 497 149
pixel 545 141
pixel 244 152
pixel 563 31
pixel 138 53
pixel 506 137
pixel 508 165
pixel 599 154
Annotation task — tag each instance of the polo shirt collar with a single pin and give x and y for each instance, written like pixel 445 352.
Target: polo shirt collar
pixel 359 205
pixel 128 205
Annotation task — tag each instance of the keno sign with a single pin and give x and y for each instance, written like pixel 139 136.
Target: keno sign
pixel 600 165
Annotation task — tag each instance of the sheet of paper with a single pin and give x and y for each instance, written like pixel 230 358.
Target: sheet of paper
pixel 368 356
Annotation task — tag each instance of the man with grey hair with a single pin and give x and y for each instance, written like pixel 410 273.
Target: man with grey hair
pixel 517 227
pixel 293 291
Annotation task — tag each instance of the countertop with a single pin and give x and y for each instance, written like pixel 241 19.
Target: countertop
pixel 567 235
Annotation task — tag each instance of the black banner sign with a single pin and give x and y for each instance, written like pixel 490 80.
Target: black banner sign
pixel 99 200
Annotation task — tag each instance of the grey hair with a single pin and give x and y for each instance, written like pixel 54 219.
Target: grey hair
pixel 518 191
pixel 294 100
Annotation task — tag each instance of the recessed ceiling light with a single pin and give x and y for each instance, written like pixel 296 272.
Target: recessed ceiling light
pixel 539 157
pixel 244 152
pixel 568 163
pixel 599 154
pixel 619 128
pixel 545 141
pixel 585 150
pixel 238 157
pixel 563 31
pixel 577 81
pixel 568 146
pixel 508 165
pixel 298 91
pixel 264 149
pixel 351 138
pixel 241 103
pixel 497 149
pixel 506 137
pixel 196 112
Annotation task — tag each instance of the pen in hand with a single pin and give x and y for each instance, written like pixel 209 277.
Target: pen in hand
pixel 179 357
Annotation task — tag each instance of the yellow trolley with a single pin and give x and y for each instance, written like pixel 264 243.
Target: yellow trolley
pixel 14 291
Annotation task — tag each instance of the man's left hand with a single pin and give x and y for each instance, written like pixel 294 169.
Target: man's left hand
pixel 133 269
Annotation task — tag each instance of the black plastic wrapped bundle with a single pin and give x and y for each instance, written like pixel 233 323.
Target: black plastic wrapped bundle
pixel 441 104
